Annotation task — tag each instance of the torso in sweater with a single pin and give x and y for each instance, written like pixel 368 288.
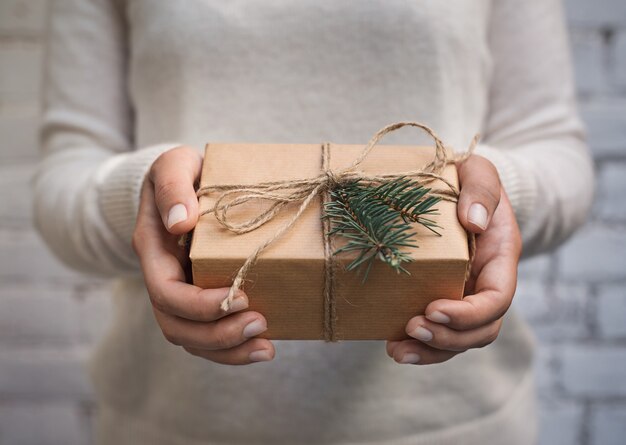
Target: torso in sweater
pixel 304 71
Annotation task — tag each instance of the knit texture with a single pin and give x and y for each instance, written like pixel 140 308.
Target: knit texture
pixel 124 79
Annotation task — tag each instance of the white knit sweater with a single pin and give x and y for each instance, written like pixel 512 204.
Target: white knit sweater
pixel 127 79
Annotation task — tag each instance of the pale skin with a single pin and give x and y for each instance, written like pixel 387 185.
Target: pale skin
pixel 191 317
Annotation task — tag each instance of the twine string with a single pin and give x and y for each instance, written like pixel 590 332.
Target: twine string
pixel 284 192
pixel 330 312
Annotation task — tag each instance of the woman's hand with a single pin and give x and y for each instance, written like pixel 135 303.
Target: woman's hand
pixel 188 315
pixel 452 326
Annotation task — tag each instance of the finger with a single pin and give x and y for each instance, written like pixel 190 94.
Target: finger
pixel 442 337
pixel 391 346
pixel 251 351
pixel 224 333
pixel 473 311
pixel 480 193
pixel 168 292
pixel 494 276
pixel 495 284
pixel 417 353
pixel 192 302
pixel 151 235
pixel 164 276
pixel 173 175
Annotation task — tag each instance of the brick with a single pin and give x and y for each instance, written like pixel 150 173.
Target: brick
pixel 89 412
pixel 531 300
pixel 593 370
pixel 535 268
pixel 596 13
pixel 38 315
pixel 555 313
pixel 545 370
pixel 44 373
pixel 16 195
pixel 620 59
pixel 588 61
pixel 610 204
pixel 95 312
pixel 595 254
pixel 20 71
pixel 608 424
pixel 560 422
pixel 606 126
pixel 611 312
pixel 25 257
pixel 19 141
pixel 566 314
pixel 29 423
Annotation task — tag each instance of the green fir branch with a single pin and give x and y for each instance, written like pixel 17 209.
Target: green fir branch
pixel 377 220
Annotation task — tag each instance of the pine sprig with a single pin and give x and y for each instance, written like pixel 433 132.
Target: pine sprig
pixel 376 220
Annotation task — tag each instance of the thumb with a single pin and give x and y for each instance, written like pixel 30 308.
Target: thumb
pixel 480 193
pixel 173 174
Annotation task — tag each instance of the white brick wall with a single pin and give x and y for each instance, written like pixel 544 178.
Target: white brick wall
pixel 575 299
pixel 606 124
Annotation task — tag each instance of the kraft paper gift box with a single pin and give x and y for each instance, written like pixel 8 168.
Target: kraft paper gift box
pixel 286 283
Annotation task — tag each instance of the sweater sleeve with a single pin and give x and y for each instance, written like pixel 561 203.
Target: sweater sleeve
pixel 533 133
pixel 89 177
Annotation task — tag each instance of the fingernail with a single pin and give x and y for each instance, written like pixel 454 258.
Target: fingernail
pixel 438 317
pixel 254 328
pixel 477 215
pixel 262 355
pixel 410 357
pixel 178 213
pixel 238 304
pixel 422 334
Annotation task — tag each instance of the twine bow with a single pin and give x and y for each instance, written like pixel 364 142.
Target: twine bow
pixel 282 193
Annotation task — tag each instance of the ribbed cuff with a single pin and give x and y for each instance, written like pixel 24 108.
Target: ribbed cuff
pixel 520 187
pixel 119 186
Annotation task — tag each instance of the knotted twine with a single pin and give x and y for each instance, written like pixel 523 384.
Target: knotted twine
pixel 282 193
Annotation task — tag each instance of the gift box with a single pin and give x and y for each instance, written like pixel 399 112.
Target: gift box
pixel 288 282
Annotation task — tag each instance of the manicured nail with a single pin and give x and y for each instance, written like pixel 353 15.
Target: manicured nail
pixel 178 213
pixel 262 355
pixel 422 334
pixel 238 304
pixel 254 328
pixel 410 357
pixel 477 215
pixel 438 317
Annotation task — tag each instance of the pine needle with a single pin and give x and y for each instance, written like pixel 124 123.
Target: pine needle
pixel 377 220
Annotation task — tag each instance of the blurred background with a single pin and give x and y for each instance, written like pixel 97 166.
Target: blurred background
pixel 575 299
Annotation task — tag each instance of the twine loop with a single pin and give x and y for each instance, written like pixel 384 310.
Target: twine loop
pixel 303 191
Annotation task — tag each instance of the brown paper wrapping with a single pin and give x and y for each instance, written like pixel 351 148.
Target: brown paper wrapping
pixel 286 283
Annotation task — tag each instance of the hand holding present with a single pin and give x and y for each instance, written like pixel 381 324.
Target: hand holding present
pixel 188 315
pixel 450 327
